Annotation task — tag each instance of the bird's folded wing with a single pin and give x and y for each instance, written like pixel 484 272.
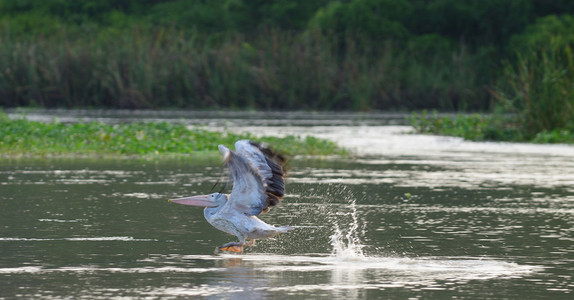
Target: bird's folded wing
pixel 257 175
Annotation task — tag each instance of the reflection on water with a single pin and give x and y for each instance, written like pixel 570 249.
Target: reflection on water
pixel 347 277
pixel 273 273
pixel 398 221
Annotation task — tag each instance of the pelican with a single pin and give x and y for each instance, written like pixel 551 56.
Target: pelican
pixel 257 176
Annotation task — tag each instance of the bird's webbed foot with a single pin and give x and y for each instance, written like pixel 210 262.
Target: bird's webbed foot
pixel 232 246
pixel 236 246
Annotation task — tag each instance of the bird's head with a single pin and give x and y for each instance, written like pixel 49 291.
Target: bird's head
pixel 211 200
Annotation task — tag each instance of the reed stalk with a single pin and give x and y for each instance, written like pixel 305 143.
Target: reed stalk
pixel 168 67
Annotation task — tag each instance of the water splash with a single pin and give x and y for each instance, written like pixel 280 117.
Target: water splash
pixel 346 242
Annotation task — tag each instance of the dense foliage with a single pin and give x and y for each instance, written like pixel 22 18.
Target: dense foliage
pixel 509 56
pixel 535 101
pixel 476 21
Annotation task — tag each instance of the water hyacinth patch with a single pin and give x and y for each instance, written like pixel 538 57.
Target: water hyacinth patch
pixel 21 137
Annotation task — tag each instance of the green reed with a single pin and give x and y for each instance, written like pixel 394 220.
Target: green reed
pixel 540 89
pixel 163 67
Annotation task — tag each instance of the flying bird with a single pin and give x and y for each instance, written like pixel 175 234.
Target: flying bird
pixel 258 184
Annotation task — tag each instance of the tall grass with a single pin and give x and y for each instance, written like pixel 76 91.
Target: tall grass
pixel 540 89
pixel 150 68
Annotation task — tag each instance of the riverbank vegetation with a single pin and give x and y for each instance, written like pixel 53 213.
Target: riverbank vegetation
pixel 23 138
pixel 507 57
pixel 477 127
pixel 535 98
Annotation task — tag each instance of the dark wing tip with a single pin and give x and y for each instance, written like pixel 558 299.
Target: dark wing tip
pixel 275 157
pixel 275 186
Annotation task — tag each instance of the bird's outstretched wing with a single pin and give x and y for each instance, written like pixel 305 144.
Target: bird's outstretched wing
pixel 257 176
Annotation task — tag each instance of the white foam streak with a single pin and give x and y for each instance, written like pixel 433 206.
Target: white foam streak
pixel 38 269
pixel 75 239
pixel 424 267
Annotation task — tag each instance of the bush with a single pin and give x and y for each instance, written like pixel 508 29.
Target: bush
pixel 539 84
pixel 550 31
pixel 373 19
pixel 476 22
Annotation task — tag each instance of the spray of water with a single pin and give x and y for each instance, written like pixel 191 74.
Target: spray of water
pixel 323 218
pixel 346 241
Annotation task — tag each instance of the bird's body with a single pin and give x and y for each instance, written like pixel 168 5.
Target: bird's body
pixel 243 226
pixel 257 175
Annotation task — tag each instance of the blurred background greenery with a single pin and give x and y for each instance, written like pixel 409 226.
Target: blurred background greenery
pixel 451 55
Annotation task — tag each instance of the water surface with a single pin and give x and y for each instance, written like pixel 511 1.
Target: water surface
pixel 409 217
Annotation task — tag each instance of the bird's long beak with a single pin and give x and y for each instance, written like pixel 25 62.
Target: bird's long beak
pixel 202 200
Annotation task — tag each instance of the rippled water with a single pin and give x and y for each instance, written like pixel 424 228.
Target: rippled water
pixel 410 217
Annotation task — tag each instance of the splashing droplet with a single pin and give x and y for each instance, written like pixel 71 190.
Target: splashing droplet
pixel 347 244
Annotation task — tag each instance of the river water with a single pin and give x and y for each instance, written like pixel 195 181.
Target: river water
pixel 408 216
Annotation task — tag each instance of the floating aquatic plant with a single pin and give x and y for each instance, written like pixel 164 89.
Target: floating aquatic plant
pixel 21 137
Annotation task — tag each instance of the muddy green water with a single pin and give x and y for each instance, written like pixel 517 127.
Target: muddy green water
pixel 409 217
